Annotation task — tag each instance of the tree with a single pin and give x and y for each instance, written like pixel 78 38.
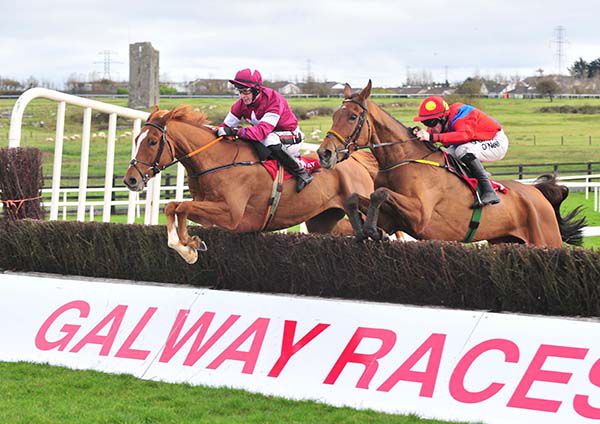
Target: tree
pixel 579 69
pixel 471 87
pixel 594 68
pixel 547 87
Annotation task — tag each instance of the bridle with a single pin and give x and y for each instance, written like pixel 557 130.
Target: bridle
pixel 154 166
pixel 351 140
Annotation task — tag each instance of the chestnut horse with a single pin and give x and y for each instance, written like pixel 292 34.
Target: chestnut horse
pixel 230 187
pixel 416 194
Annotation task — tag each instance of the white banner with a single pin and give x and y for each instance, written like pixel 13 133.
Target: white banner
pixel 437 363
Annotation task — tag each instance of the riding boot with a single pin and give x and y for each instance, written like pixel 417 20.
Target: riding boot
pixel 487 194
pixel 290 165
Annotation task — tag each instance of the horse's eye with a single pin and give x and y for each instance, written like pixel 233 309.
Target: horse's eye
pixel 152 142
pixel 353 117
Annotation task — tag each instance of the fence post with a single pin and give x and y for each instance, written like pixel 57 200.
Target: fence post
pixel 520 171
pixel 555 172
pixel 534 140
pixel 562 140
pixel 590 140
pixel 113 197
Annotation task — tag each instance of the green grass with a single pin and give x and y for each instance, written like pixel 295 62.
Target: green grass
pixel 34 393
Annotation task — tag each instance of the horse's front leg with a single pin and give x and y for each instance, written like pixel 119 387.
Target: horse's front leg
pixel 352 206
pixel 370 228
pixel 187 250
pixel 178 213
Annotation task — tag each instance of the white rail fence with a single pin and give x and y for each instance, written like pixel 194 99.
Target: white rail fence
pixel 59 196
pixel 153 193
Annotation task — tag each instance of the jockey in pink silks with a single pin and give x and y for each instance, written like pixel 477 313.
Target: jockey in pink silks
pixel 273 123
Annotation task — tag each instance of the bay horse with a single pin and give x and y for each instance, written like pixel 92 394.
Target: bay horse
pixel 231 189
pixel 416 194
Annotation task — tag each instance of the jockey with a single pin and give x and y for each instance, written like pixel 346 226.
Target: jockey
pixel 273 123
pixel 468 134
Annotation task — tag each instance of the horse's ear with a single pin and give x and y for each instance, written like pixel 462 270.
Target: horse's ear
pixel 366 92
pixel 347 91
pixel 167 115
pixel 153 111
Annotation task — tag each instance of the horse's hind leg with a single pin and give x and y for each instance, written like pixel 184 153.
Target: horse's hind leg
pixel 351 206
pixel 174 229
pixel 370 228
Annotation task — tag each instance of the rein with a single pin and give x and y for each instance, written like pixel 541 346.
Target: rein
pixel 154 166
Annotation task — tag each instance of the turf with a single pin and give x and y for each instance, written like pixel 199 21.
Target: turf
pixel 33 393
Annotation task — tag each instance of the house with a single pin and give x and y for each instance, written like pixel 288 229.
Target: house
pixel 284 87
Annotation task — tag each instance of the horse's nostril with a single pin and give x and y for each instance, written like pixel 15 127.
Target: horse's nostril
pixel 131 181
pixel 327 154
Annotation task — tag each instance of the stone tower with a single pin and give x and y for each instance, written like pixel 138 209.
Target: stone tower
pixel 144 90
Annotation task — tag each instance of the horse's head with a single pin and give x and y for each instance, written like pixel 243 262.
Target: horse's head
pixel 154 151
pixel 350 128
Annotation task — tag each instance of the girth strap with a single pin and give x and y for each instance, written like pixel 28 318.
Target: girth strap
pixel 474 224
pixel 275 197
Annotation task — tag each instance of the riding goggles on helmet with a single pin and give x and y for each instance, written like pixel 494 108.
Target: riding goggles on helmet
pixel 430 123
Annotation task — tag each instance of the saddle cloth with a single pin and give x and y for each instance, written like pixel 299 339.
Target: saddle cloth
pixel 311 166
pixel 458 168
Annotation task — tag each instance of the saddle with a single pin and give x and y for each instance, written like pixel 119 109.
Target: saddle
pixel 311 165
pixel 458 168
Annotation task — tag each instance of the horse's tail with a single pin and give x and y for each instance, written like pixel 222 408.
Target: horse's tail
pixel 571 226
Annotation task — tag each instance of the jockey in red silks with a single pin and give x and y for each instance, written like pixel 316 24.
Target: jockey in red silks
pixel 468 134
pixel 273 123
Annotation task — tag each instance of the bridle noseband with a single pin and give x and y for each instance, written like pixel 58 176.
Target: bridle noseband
pixel 351 140
pixel 154 166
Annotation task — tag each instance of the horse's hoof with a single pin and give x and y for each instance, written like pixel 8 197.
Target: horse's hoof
pixel 195 243
pixel 359 238
pixel 192 257
pixel 372 233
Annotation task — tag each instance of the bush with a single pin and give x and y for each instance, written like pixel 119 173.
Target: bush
pixel 499 278
pixel 584 109
pixel 21 181
pixel 304 113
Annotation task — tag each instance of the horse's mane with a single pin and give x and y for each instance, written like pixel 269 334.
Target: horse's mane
pixel 188 115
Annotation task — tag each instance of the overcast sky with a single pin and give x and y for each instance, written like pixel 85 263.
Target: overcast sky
pixel 342 40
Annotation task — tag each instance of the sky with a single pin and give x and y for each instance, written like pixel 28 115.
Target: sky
pixel 337 40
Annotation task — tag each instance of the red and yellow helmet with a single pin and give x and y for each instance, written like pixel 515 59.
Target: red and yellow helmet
pixel 431 108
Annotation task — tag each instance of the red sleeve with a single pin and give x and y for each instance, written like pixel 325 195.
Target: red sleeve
pixel 463 133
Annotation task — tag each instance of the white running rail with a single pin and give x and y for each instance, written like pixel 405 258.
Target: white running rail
pixel 153 192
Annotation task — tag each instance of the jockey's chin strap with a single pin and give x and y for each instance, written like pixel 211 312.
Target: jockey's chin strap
pixel 155 165
pixel 351 140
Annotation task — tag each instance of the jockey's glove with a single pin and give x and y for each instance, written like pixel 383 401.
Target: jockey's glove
pixel 227 132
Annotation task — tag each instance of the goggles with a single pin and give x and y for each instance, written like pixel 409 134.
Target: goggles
pixel 430 123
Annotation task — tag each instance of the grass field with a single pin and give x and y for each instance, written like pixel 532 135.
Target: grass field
pixel 535 137
pixel 43 394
